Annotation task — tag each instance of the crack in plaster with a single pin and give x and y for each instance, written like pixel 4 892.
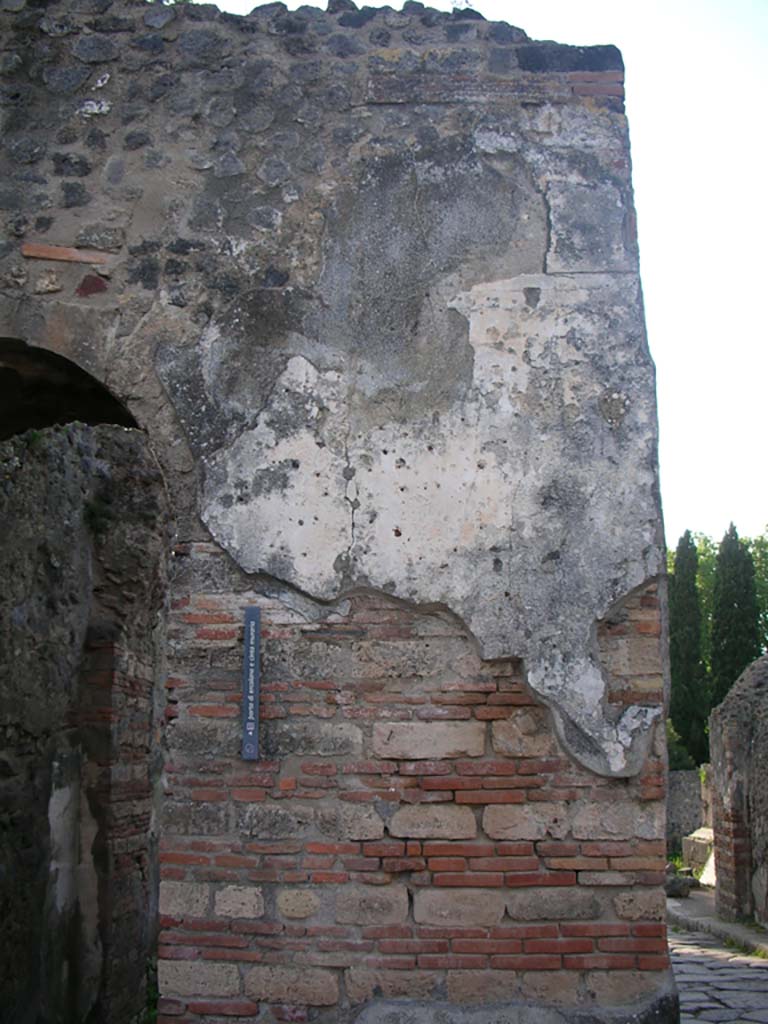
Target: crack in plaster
pixel 448 516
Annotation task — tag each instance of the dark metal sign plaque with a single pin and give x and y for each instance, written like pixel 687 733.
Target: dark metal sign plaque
pixel 250 750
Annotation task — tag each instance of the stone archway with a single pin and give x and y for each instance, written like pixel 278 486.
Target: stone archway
pixel 83 528
pixel 39 388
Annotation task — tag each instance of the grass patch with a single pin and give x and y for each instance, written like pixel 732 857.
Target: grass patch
pixel 739 947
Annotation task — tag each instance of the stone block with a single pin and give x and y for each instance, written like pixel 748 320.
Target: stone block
pixel 365 983
pixel 302 986
pixel 297 903
pixel 184 978
pixel 359 823
pixel 587 229
pixel 553 988
pixel 204 737
pixel 372 904
pixel 561 904
pixel 311 738
pixel 641 905
pixel 465 908
pixel 526 821
pixel 618 988
pixel 685 804
pixel 428 740
pixel 270 821
pixel 697 847
pixel 184 899
pixel 433 821
pixel 527 733
pixel 617 820
pixel 482 986
pixel 189 818
pixel 238 901
pixel 609 878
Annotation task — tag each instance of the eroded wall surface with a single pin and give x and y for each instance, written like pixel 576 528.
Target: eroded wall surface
pixel 738 730
pixel 82 558
pixel 369 281
pixel 688 802
pixel 414 842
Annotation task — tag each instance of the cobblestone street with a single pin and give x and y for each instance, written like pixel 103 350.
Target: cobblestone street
pixel 717 983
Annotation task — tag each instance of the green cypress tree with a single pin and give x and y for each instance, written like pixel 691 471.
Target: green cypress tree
pixel 758 548
pixel 689 703
pixel 735 615
pixel 706 550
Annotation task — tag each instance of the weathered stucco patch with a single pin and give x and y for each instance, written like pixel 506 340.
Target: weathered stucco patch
pixel 449 397
pixel 515 506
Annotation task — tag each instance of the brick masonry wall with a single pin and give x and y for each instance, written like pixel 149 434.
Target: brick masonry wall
pixel 413 828
pixel 116 717
pixel 215 216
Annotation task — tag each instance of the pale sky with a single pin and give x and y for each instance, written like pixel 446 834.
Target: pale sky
pixel 697 89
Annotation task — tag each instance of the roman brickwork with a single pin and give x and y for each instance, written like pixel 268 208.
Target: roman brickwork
pixel 414 829
pixel 368 282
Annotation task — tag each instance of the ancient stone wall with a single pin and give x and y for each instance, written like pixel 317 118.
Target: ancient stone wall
pixel 738 730
pixel 688 803
pixel 368 279
pixel 84 526
pixel 413 830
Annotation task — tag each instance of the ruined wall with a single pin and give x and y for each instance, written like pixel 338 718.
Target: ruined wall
pixel 738 731
pixel 688 803
pixel 369 281
pixel 83 522
pixel 413 830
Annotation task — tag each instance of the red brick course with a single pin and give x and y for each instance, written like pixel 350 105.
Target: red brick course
pixel 373 789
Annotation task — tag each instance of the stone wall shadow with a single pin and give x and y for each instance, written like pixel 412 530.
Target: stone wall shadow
pixel 83 550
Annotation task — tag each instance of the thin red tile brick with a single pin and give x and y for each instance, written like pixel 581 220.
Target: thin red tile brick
pixel 490 796
pixel 335 848
pixel 448 962
pixel 558 946
pixel 594 928
pixel 457 849
pixel 398 864
pixel 633 944
pixel 598 962
pixel 414 946
pixel 545 878
pixel 447 864
pixel 526 962
pixel 503 863
pixel 486 879
pixel 653 963
pixel 487 946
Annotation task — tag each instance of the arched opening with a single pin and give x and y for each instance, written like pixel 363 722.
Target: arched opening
pixel 39 388
pixel 83 546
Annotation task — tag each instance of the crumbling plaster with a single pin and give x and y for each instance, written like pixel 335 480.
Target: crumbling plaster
pixel 399 323
pixel 453 422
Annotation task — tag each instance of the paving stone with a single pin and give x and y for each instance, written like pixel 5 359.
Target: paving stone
pixel 698 1001
pixel 746 1000
pixel 736 984
pixel 717 984
pixel 720 1016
